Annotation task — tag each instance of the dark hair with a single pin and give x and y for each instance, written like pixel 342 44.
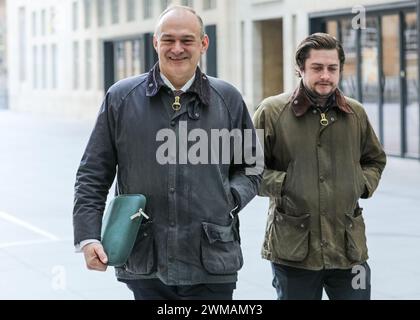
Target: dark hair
pixel 317 41
pixel 179 7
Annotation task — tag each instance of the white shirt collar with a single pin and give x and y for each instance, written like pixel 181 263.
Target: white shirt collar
pixel 186 86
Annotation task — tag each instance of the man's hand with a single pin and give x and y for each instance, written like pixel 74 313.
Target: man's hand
pixel 95 257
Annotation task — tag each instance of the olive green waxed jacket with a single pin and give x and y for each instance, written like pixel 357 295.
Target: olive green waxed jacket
pixel 314 175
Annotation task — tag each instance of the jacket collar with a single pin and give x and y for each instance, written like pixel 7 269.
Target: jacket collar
pixel 200 86
pixel 301 102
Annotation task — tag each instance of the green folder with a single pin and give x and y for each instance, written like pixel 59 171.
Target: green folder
pixel 120 226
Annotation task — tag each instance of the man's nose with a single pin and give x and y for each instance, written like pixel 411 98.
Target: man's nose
pixel 325 75
pixel 177 47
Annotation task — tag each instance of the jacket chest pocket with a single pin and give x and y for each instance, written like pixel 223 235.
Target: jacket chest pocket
pixel 220 248
pixel 288 236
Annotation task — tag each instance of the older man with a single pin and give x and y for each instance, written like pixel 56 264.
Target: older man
pixel 190 247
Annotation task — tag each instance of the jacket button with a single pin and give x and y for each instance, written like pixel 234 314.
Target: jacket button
pixel 150 85
pixel 332 119
pixel 314 111
pixel 173 123
pixel 302 226
pixel 351 225
pixel 295 102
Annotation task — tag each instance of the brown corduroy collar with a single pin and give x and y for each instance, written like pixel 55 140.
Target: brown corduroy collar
pixel 301 102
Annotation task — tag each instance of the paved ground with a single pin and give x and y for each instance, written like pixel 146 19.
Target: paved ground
pixel 38 159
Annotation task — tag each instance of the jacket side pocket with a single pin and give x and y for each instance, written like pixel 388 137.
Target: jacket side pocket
pixel 142 257
pixel 220 249
pixel 289 236
pixel 355 237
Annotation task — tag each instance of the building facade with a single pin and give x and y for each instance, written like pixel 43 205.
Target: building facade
pixel 63 55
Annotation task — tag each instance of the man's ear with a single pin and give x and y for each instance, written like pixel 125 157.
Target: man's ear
pixel 205 42
pixel 155 42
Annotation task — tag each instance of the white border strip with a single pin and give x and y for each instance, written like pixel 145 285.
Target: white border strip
pixel 26 225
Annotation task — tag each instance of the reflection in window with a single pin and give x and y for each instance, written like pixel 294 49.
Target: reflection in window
pixel 88 13
pixel 54 69
pixel 100 12
pixel 75 65
pixel 147 9
pixel 35 64
pixel 114 11
pixel 332 28
pixel 349 79
pixel 188 3
pixel 131 10
pixel 75 15
pixel 44 66
pixel 413 109
pixel 391 81
pixel 370 72
pixel 34 24
pixel 88 66
pixel 120 61
pixel 43 22
pixel 164 4
pixel 22 44
pixel 52 20
pixel 209 4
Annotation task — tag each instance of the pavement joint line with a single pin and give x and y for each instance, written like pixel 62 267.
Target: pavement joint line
pixel 10 218
pixel 24 243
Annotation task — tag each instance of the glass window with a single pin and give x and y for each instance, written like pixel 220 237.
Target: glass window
pixel 209 4
pixel 75 13
pixel 43 22
pixel 52 20
pixel 120 60
pixel 88 67
pixel 391 81
pixel 131 10
pixel 332 28
pixel 88 12
pixel 164 4
pixel 412 65
pixel 188 3
pixel 22 44
pixel 44 66
pixel 100 11
pixel 34 24
pixel 75 65
pixel 35 65
pixel 349 78
pixel 54 69
pixel 114 11
pixel 370 71
pixel 147 9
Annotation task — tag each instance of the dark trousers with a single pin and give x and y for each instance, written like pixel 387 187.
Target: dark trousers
pixel 154 289
pixel 301 284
